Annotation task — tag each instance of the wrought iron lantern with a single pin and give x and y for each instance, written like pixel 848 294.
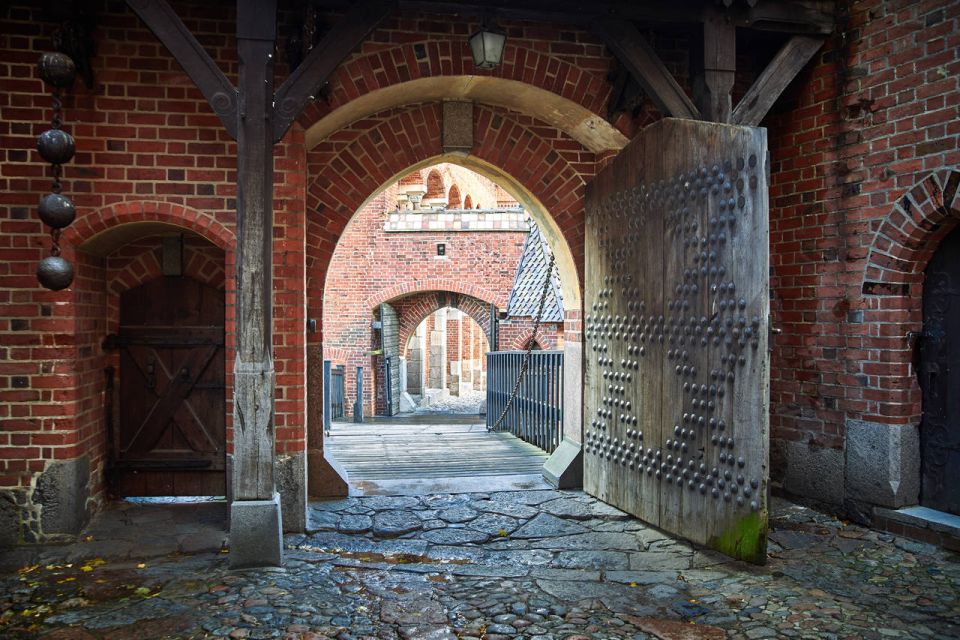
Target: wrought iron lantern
pixel 487 46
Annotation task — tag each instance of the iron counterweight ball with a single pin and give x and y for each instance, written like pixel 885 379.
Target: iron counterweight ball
pixel 57 69
pixel 56 146
pixel 57 210
pixel 55 273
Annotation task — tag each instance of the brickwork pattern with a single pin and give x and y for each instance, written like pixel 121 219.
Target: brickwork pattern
pixel 371 266
pixel 864 167
pixel 149 150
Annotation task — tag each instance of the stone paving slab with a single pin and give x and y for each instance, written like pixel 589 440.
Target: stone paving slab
pixel 537 565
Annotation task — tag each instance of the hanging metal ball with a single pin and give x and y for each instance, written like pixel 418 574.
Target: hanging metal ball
pixel 56 146
pixel 57 210
pixel 55 273
pixel 57 69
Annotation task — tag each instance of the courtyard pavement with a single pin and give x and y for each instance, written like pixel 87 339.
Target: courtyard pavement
pixel 526 564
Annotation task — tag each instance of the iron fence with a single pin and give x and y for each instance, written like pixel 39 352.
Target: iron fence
pixel 536 414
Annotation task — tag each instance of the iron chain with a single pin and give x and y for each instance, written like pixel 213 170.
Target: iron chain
pixel 525 363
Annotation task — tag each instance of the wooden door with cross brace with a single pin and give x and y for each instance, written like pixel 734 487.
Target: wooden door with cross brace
pixel 676 333
pixel 170 438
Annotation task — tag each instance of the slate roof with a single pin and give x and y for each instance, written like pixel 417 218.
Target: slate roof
pixel 528 281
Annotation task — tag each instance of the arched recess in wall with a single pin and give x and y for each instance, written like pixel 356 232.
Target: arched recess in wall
pixel 453 198
pixel 435 188
pixel 468 202
pixel 117 249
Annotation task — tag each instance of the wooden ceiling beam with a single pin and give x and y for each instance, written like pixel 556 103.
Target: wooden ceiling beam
pixel 636 54
pixel 784 67
pixel 788 16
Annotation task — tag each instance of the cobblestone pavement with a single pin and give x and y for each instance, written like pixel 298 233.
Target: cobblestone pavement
pixel 467 403
pixel 535 564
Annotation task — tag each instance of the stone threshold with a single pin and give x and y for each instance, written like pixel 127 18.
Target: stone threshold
pixel 921 523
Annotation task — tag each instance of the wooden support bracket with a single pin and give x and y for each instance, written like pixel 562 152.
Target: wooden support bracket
pixel 170 30
pixel 784 67
pixel 638 56
pixel 323 59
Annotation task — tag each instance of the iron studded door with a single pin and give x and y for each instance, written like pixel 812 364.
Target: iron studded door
pixel 171 434
pixel 677 303
pixel 940 379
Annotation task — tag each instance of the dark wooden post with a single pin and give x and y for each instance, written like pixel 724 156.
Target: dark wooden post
pixel 719 66
pixel 358 405
pixel 258 118
pixel 254 376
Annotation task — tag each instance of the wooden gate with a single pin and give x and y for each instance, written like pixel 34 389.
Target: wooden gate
pixel 940 379
pixel 170 438
pixel 676 333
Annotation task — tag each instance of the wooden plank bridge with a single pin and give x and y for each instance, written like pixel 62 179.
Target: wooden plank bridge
pixel 432 454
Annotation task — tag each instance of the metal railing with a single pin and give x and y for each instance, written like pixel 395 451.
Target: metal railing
pixel 336 391
pixel 536 415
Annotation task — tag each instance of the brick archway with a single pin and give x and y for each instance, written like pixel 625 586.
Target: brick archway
pixel 522 340
pixel 562 83
pixel 893 286
pixel 549 168
pixel 414 309
pixel 94 223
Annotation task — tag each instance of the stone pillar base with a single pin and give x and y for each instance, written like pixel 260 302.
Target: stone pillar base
pixel 255 533
pixel 325 478
pixel 564 468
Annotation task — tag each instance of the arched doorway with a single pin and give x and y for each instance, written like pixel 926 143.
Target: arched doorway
pixel 445 358
pixel 940 379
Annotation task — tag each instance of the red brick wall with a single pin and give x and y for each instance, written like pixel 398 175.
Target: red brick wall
pixel 371 266
pixel 850 232
pixel 864 149
pixel 148 149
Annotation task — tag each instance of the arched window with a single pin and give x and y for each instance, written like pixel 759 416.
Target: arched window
pixel 434 185
pixel 453 198
pixel 468 202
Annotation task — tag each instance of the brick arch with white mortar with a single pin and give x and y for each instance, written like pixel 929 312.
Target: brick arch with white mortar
pixel 416 307
pixel 902 246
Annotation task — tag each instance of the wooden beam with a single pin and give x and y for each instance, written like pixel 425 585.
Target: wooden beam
pixel 643 63
pixel 323 59
pixel 253 374
pixel 719 66
pixel 792 16
pixel 170 30
pixel 784 67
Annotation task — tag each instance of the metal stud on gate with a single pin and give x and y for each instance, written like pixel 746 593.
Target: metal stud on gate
pixel 57 147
